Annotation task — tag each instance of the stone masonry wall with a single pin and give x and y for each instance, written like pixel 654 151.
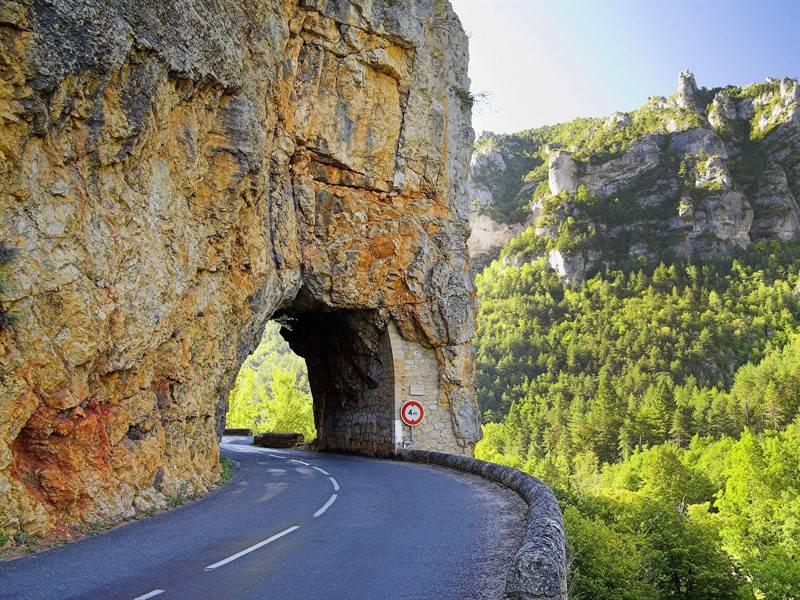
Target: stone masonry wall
pixel 417 378
pixel 350 371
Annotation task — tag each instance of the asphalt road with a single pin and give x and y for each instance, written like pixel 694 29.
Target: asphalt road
pixel 295 525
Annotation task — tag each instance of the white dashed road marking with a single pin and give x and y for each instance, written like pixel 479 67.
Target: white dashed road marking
pixel 252 548
pixel 277 536
pixel 149 595
pixel 326 506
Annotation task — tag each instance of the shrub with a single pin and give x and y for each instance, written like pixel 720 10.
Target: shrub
pixel 226 468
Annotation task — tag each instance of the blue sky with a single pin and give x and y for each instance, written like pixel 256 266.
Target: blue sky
pixel 546 62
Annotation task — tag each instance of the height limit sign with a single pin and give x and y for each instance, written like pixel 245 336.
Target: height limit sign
pixel 412 413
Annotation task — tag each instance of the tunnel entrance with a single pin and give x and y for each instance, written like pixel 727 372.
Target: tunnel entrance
pixel 340 377
pixel 271 390
pixel 328 374
pixel 351 377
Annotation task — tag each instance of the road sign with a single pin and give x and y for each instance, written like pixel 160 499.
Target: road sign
pixel 412 413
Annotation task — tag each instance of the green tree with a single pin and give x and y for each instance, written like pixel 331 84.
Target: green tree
pixel 289 408
pixel 271 392
pixel 684 559
pixel 605 419
pixel 606 564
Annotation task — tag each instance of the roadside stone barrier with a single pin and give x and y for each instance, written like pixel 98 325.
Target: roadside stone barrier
pixel 237 431
pixel 272 439
pixel 539 570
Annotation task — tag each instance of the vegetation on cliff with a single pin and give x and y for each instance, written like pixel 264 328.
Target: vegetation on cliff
pixel 6 256
pixel 594 141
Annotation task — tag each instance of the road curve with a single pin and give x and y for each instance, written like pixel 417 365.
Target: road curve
pixel 294 525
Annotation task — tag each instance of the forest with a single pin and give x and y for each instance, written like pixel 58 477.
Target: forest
pixel 661 405
pixel 271 392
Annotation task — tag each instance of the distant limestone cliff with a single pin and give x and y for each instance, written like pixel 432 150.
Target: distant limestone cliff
pixel 696 175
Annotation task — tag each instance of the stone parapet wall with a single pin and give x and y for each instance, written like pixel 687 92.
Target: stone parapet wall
pixel 539 570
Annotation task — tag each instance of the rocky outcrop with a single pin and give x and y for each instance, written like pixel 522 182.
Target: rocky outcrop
pixel 722 113
pixel 697 141
pixel 562 173
pixel 701 174
pixel 487 234
pixel 686 96
pixel 606 179
pixel 775 205
pixel 572 268
pixel 174 174
pixel 484 166
pixel 493 184
pixel 720 223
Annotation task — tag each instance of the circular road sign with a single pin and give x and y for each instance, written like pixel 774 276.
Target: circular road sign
pixel 412 413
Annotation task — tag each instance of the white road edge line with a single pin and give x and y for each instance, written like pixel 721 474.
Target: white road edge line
pixel 323 471
pixel 275 456
pixel 261 544
pixel 335 484
pixel 326 506
pixel 299 461
pixel 149 595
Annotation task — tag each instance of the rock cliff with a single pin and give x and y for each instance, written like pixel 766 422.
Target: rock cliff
pixel 172 175
pixel 697 175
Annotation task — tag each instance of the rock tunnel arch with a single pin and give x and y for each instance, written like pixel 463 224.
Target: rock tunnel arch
pixel 167 193
pixel 360 372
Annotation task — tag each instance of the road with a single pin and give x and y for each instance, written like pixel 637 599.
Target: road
pixel 295 525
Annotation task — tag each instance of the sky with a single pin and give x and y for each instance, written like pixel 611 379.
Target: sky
pixel 544 62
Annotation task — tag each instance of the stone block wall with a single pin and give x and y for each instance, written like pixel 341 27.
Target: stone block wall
pixel 416 372
pixel 361 372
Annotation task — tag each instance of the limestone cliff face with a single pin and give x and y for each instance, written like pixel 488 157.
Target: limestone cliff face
pixel 700 174
pixel 173 174
pixel 495 183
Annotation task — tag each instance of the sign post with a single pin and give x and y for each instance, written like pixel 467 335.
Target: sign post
pixel 412 413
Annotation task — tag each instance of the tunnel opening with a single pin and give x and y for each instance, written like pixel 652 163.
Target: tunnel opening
pixel 351 376
pixel 271 390
pixel 328 374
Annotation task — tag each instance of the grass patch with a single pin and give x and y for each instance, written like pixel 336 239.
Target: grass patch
pixel 226 469
pixel 180 498
pixel 96 527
